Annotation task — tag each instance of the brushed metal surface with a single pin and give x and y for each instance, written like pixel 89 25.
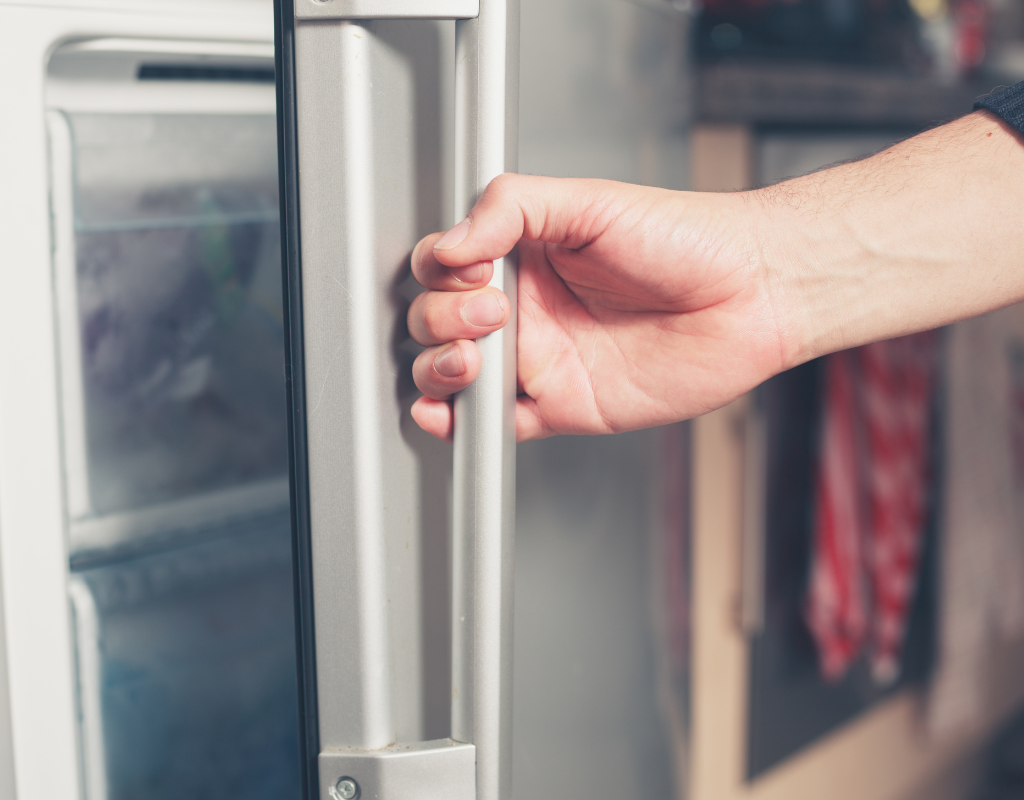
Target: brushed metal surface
pixel 358 91
pixel 370 123
pixel 341 312
pixel 486 145
pixel 386 9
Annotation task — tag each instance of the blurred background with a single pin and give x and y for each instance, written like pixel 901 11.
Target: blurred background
pixel 837 558
pixel 817 591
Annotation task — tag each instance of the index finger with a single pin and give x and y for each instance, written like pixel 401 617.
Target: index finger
pixel 571 212
pixel 432 274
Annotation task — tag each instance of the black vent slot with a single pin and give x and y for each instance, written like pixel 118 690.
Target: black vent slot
pixel 205 72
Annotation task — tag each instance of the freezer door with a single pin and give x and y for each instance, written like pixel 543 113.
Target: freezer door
pixel 390 116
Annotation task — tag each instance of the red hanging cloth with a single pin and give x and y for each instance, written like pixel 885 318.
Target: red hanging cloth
pixel 872 484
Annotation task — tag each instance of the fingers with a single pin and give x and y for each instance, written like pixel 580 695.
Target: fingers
pixel 436 317
pixel 556 210
pixel 456 267
pixel 437 417
pixel 432 274
pixel 439 372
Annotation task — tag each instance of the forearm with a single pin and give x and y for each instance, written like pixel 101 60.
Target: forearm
pixel 926 233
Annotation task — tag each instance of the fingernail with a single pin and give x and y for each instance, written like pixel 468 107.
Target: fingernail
pixel 449 363
pixel 454 237
pixel 470 274
pixel 484 310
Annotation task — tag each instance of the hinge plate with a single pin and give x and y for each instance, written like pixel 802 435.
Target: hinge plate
pixel 439 770
pixel 387 9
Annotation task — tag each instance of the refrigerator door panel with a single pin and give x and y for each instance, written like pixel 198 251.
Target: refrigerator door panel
pixel 367 121
pixel 377 495
pixel 602 550
pixel 592 691
pixel 591 725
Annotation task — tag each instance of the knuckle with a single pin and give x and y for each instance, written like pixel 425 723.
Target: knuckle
pixel 503 184
pixel 432 319
pixel 441 318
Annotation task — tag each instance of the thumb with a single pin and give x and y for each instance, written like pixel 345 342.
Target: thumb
pixel 515 207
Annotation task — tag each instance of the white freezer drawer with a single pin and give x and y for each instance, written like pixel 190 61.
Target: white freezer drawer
pixel 187 670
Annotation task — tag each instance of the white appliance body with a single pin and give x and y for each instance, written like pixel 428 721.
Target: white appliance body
pixel 42 751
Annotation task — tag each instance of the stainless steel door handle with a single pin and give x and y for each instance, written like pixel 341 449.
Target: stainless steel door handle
pixel 486 145
pixel 350 419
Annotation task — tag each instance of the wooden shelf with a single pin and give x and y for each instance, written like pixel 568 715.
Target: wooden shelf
pixel 773 93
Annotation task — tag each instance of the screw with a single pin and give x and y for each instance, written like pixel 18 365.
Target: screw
pixel 345 789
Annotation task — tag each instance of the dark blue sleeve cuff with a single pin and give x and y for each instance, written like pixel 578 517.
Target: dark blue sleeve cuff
pixel 1007 104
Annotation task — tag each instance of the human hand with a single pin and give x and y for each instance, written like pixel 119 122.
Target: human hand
pixel 637 306
pixel 641 306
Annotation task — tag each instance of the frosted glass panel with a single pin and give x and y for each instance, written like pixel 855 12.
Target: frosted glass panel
pixel 178 278
pixel 163 169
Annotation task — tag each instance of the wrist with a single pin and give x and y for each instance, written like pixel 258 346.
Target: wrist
pixel 920 235
pixel 804 245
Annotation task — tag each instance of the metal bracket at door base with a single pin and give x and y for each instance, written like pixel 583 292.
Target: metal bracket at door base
pixel 387 9
pixel 438 770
